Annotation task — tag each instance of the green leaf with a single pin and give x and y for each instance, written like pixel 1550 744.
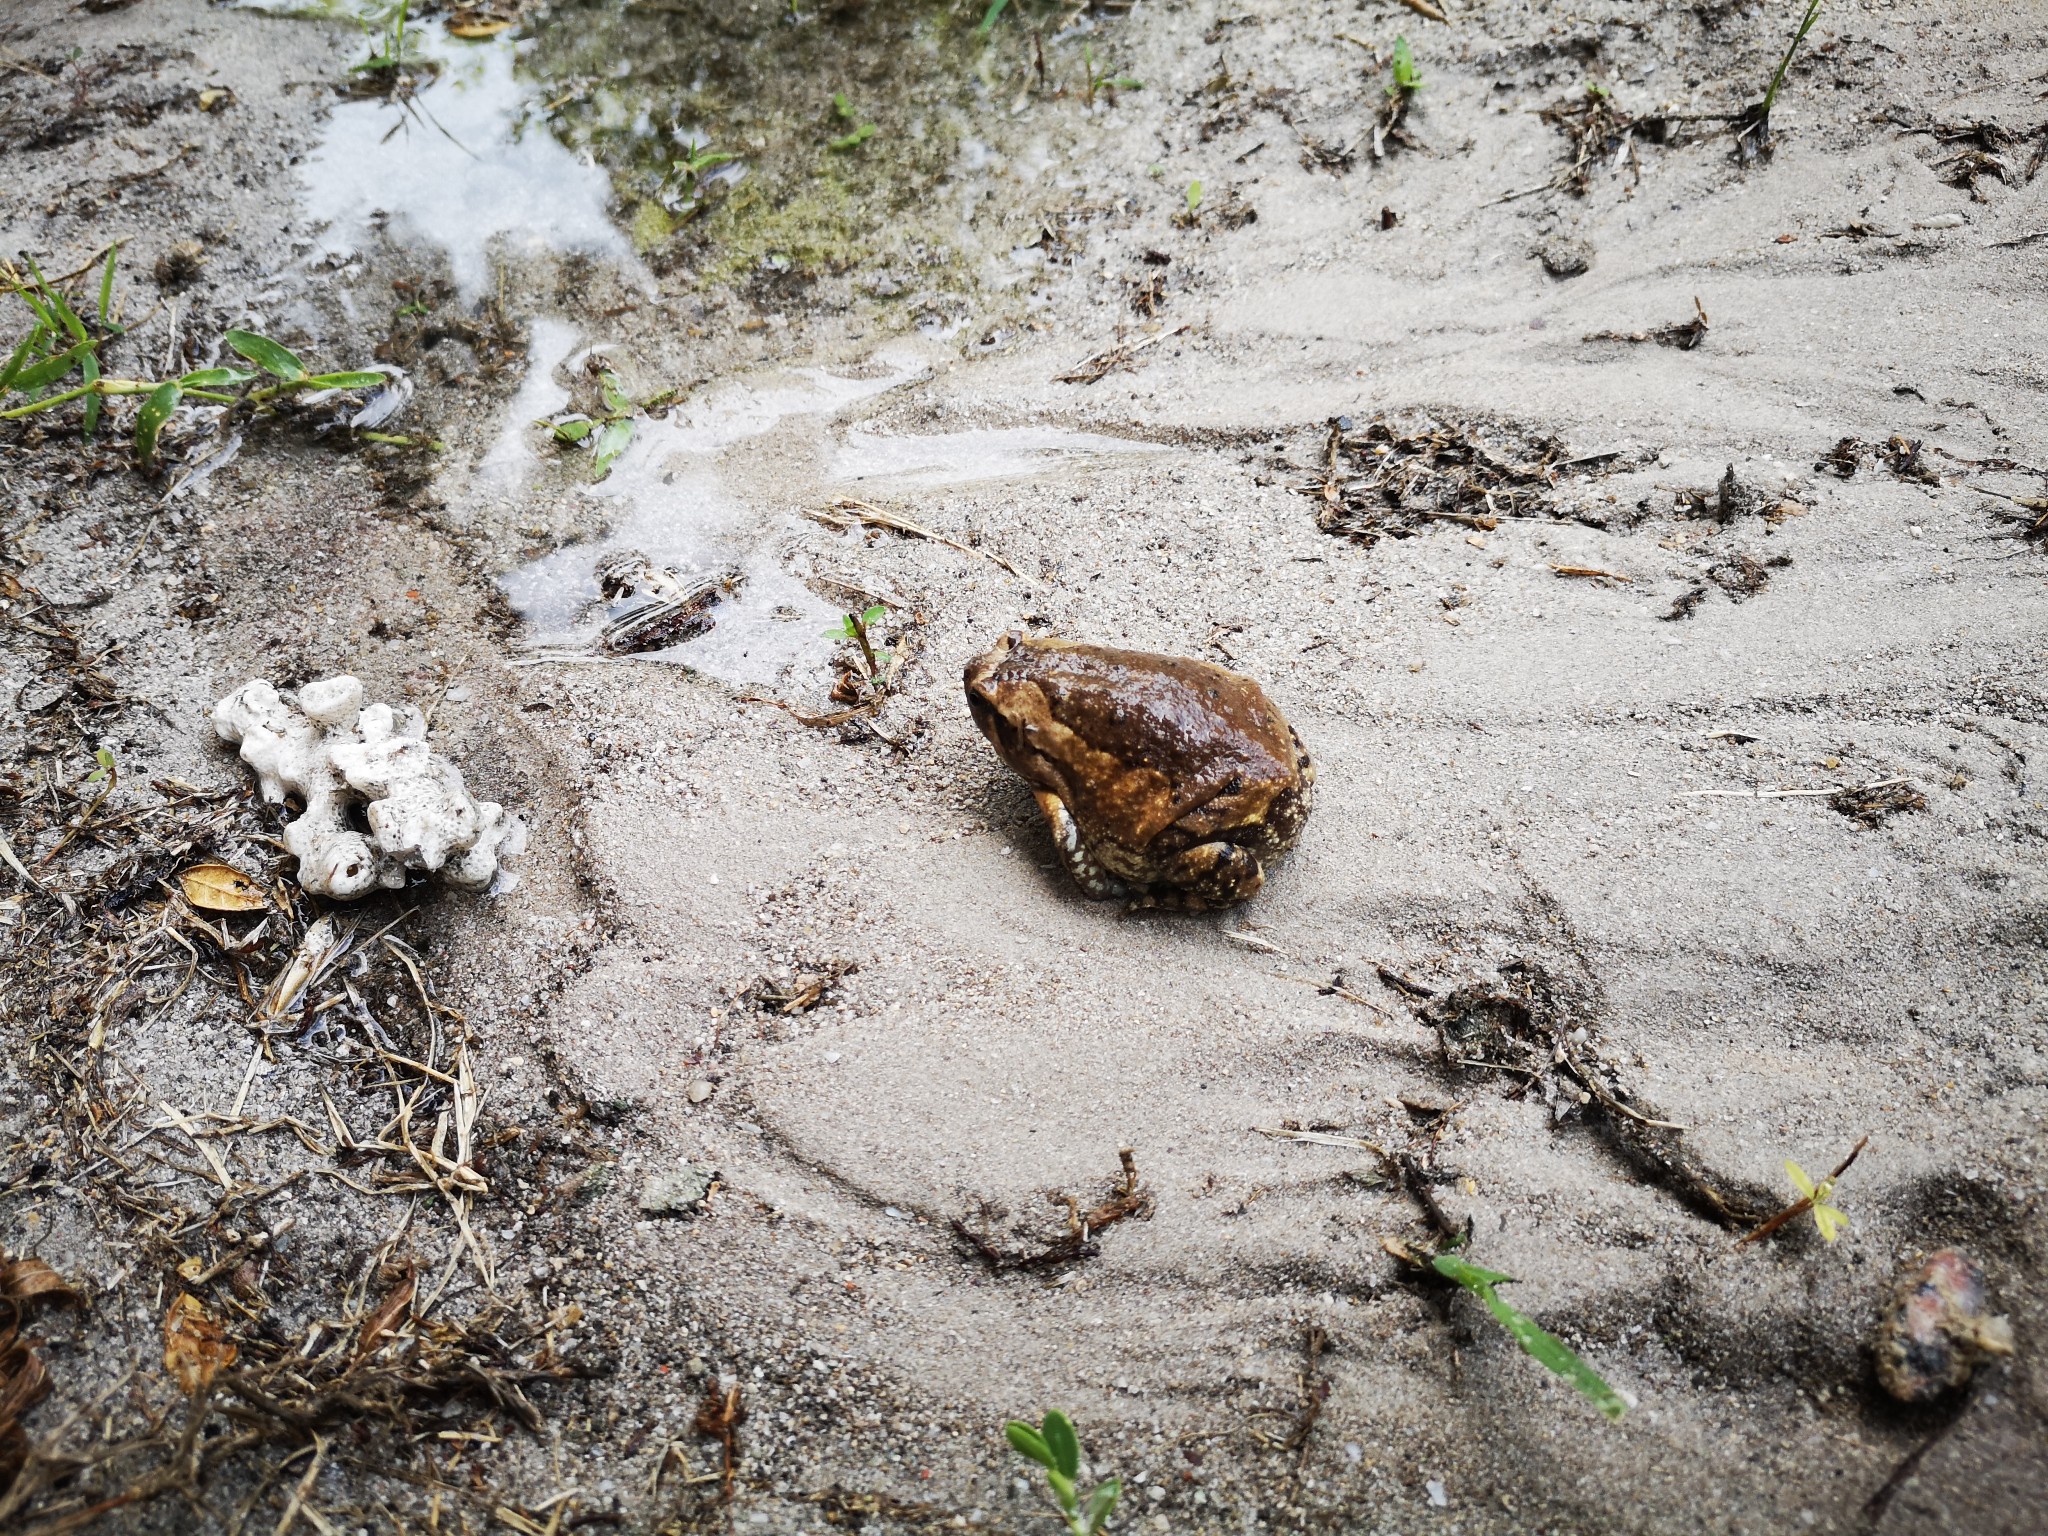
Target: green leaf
pixel 89 370
pixel 37 375
pixel 21 354
pixel 1101 1502
pixel 1065 1445
pixel 106 769
pixel 875 614
pixel 214 378
pixel 149 421
pixel 107 282
pixel 351 379
pixel 266 354
pixel 1194 196
pixel 611 442
pixel 841 105
pixel 571 429
pixel 1406 77
pixel 1547 1349
pixel 1027 1442
pixel 616 400
pixel 988 19
pixel 853 140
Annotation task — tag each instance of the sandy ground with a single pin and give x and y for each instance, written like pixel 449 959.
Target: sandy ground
pixel 1514 766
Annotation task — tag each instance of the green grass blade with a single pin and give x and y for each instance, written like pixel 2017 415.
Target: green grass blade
pixel 1547 1349
pixel 149 421
pixel 266 354
pixel 989 17
pixel 59 306
pixel 1063 1442
pixel 107 283
pixel 89 369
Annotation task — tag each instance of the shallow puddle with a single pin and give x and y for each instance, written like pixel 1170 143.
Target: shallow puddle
pixel 675 506
pixel 463 164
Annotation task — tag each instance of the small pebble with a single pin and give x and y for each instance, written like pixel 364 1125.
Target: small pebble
pixel 699 1091
pixel 1930 1338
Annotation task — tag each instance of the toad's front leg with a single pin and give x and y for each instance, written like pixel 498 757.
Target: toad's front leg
pixel 1093 879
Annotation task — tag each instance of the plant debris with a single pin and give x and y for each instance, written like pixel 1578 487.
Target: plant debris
pixel 1127 1198
pixel 1685 335
pixel 1535 1027
pixel 1123 355
pixel 1397 475
pixel 1599 133
pixel 1741 575
pixel 678 607
pixel 1872 803
pixel 848 513
pixel 1900 455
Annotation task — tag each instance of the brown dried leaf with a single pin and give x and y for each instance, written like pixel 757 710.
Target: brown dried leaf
pixel 217 888
pixel 195 1348
pixel 378 1325
pixel 31 1280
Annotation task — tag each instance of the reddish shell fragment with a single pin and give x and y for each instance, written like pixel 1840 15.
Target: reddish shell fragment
pixel 1930 1337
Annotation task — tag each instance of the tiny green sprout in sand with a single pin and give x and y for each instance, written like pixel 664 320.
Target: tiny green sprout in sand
pixel 1194 196
pixel 1826 1215
pixel 843 108
pixel 1053 1445
pixel 1406 76
pixel 1815 1195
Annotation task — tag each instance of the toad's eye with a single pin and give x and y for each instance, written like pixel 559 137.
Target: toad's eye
pixel 1235 786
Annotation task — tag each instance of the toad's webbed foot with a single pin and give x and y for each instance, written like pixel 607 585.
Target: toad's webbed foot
pixel 1206 877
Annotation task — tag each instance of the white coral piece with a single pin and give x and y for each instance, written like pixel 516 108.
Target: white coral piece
pixel 323 746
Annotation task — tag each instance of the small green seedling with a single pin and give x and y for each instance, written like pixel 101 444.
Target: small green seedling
pixel 855 627
pixel 1815 1197
pixel 1548 1350
pixel 1055 1447
pixel 1778 79
pixel 1407 78
pixel 389 40
pixel 1827 1216
pixel 59 361
pixel 1101 80
pixel 1753 125
pixel 107 772
pixel 842 108
pixel 689 171
pixel 610 432
pixel 1194 196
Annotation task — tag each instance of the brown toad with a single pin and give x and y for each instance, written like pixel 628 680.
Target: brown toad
pixel 1164 779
